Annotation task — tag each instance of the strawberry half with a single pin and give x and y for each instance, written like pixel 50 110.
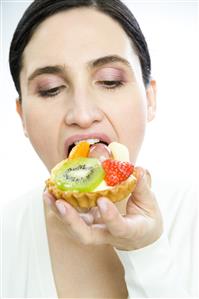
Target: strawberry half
pixel 116 171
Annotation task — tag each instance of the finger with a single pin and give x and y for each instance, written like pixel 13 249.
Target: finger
pixel 142 198
pixel 87 217
pixel 49 200
pixel 97 218
pixel 143 181
pixel 74 223
pixel 113 220
pixel 148 178
pixel 92 216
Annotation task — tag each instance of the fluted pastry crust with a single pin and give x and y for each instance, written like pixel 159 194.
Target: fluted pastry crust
pixel 87 200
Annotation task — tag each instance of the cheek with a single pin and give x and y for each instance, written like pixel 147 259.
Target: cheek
pixel 135 136
pixel 131 121
pixel 42 131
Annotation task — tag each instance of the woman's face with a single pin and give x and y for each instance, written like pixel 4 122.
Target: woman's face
pixel 81 78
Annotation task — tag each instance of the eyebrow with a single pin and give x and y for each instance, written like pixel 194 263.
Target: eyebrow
pixel 56 69
pixel 109 59
pixel 60 69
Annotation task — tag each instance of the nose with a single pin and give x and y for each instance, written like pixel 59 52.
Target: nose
pixel 83 111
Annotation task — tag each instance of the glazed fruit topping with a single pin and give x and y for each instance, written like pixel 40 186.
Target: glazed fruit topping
pixel 80 150
pixel 83 148
pixel 80 174
pixel 116 171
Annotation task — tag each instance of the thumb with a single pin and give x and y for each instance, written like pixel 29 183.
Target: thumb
pixel 142 196
pixel 143 185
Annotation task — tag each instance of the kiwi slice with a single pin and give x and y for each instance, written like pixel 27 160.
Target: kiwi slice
pixel 80 174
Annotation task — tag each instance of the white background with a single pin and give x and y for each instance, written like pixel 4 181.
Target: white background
pixel 171 144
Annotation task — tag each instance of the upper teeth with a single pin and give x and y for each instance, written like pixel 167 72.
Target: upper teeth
pixel 90 141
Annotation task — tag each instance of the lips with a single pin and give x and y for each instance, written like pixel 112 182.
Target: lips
pixel 93 138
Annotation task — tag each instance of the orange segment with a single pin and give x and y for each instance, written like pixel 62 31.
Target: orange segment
pixel 80 150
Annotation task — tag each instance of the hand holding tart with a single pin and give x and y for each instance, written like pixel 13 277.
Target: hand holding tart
pixel 92 171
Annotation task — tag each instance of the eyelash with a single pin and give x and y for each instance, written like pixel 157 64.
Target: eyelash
pixel 46 93
pixel 111 84
pixel 107 84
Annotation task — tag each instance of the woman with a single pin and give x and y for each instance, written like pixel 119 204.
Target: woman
pixel 82 70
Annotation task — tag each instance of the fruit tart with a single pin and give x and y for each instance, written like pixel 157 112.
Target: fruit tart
pixel 93 170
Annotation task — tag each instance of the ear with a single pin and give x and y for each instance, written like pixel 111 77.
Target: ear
pixel 19 110
pixel 151 100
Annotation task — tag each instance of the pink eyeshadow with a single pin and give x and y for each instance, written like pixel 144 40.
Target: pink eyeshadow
pixel 110 73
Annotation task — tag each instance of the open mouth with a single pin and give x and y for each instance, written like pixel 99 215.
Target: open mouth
pixel 91 141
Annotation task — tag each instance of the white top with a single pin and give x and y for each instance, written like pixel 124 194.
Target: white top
pixel 167 268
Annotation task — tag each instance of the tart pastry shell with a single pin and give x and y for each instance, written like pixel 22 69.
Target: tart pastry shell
pixel 86 200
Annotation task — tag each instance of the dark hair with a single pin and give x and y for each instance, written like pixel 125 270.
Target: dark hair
pixel 39 10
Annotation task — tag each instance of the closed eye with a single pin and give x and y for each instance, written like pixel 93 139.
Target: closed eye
pixel 110 84
pixel 52 92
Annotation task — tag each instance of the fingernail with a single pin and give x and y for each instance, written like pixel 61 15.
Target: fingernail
pixel 47 200
pixel 86 219
pixel 102 205
pixel 148 178
pixel 97 214
pixel 139 173
pixel 61 208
